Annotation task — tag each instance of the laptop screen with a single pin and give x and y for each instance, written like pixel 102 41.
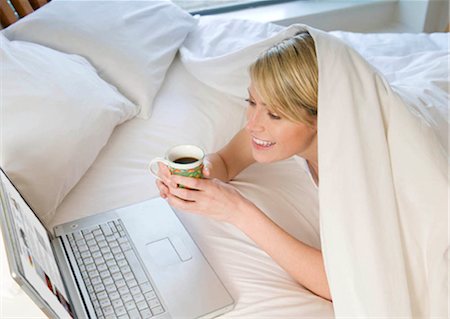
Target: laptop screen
pixel 34 256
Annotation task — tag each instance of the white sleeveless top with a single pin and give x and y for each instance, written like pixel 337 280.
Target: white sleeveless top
pixel 305 166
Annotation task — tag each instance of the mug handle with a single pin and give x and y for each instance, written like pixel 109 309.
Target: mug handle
pixel 155 161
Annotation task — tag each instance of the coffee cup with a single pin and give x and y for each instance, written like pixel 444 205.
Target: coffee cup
pixel 184 160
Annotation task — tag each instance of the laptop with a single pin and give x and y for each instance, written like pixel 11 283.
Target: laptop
pixel 133 262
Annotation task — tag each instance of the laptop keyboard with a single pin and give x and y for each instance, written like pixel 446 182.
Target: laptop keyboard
pixel 114 277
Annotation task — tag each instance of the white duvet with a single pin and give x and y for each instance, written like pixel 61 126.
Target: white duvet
pixel 377 242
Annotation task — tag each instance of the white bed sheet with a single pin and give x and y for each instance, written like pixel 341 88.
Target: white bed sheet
pixel 188 111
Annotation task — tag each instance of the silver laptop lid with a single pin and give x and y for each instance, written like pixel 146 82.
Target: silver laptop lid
pixel 31 259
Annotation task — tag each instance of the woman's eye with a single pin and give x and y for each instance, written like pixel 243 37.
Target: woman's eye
pixel 273 116
pixel 250 102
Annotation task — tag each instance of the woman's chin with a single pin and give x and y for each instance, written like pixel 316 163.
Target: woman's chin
pixel 263 158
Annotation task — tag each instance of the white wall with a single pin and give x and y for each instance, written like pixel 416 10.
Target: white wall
pixel 356 16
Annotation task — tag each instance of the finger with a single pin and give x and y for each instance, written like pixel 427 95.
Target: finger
pixel 184 193
pixel 163 189
pixel 181 204
pixel 163 171
pixel 207 166
pixel 193 183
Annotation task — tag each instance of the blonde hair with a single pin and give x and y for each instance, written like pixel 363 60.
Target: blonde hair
pixel 285 76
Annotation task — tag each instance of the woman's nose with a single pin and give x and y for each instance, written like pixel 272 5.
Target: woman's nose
pixel 254 120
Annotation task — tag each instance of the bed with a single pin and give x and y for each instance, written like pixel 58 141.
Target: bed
pixel 74 166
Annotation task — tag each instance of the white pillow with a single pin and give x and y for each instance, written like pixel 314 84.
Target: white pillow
pixel 56 115
pixel 130 43
pixel 219 51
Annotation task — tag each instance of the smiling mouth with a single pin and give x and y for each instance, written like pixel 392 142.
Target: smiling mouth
pixel 262 143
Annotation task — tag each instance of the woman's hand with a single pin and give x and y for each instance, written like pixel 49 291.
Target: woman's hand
pixel 210 197
pixel 164 175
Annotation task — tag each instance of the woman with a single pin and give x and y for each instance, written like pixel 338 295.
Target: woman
pixel 282 114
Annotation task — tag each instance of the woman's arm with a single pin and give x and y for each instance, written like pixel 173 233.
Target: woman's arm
pixel 304 263
pixel 221 201
pixel 231 159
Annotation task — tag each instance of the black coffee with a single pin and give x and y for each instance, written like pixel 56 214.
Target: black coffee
pixel 185 160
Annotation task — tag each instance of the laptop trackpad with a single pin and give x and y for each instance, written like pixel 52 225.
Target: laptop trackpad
pixel 165 252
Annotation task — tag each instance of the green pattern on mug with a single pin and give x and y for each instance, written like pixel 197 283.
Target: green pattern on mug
pixel 193 172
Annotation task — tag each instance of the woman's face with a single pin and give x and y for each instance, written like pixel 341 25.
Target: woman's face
pixel 275 138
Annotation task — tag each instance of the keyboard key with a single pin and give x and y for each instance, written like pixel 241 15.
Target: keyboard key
pixel 136 290
pixel 111 262
pixel 132 283
pixel 114 295
pixel 108 310
pixel 150 295
pixel 113 244
pixel 102 267
pixel 121 311
pixel 127 298
pixel 96 280
pixel 133 313
pixel 77 235
pixel 102 295
pixel 85 254
pixel 120 283
pixel 97 233
pixel 123 290
pixel 106 229
pixel 96 304
pixel 91 242
pixel 102 243
pixel 119 256
pixel 109 256
pixel 94 248
pixel 99 287
pixel 116 250
pixel 99 261
pixel 154 303
pixel 114 269
pixel 116 276
pixel 112 226
pixel 125 246
pixel 141 305
pixel 130 305
pixel 82 248
pixel 110 288
pixel 110 238
pixel 90 289
pixel 98 311
pixel 108 281
pixel 128 276
pixel 90 267
pixel 157 310
pixel 117 304
pixel 138 298
pixel 104 303
pixel 146 287
pixel 146 314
